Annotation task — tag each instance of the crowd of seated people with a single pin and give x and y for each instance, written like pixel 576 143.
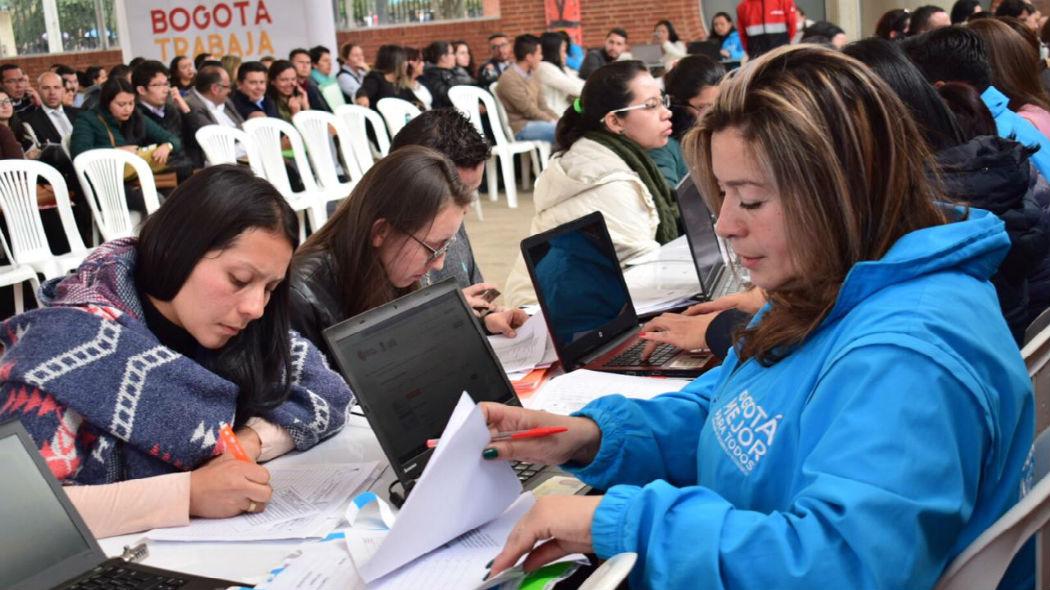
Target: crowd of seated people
pixel 889 198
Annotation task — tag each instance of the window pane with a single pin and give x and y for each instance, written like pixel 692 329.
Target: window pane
pixel 80 22
pixel 22 28
pixel 372 13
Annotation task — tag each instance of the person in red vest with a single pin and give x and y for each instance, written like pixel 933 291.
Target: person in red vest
pixel 765 24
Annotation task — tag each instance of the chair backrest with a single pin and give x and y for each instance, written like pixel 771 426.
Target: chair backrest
pixel 18 180
pixel 397 113
pixel 357 119
pixel 101 176
pixel 498 118
pixel 466 100
pixel 265 133
pixel 1036 354
pixel 1038 325
pixel 313 126
pixel 333 95
pixel 219 144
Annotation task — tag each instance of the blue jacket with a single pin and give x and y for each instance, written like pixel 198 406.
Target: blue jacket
pixel 867 458
pixel 1014 126
pixel 732 44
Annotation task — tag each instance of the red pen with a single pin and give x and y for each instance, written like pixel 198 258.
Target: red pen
pixel 514 434
pixel 233 445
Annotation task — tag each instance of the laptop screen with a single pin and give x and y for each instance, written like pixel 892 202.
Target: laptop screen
pixel 37 533
pixel 580 286
pixel 409 361
pixel 700 231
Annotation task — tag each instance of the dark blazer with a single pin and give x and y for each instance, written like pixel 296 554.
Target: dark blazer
pixel 201 116
pixel 42 126
pixel 246 107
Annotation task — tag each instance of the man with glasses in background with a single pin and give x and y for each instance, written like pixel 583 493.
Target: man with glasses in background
pixel 499 45
pixel 16 84
pixel 210 104
pixel 157 99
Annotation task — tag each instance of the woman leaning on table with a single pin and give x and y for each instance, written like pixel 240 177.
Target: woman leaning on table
pixel 874 418
pixel 125 373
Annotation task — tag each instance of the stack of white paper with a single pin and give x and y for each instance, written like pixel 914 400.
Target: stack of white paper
pixel 525 351
pixel 568 393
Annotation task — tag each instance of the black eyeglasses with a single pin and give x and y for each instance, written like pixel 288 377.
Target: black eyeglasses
pixel 435 253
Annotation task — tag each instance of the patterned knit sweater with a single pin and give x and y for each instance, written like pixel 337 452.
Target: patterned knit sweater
pixel 106 401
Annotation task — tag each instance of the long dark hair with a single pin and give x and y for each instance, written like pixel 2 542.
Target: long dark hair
pixel 278 67
pixel 173 67
pixel 607 89
pixel 407 189
pixel 134 127
pixel 207 213
pixel 893 21
pixel 1014 57
pixel 934 119
pixel 470 67
pixel 550 44
pixel 672 35
pixel 712 36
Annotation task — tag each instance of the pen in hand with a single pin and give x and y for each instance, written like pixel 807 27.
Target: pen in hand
pixel 514 434
pixel 231 443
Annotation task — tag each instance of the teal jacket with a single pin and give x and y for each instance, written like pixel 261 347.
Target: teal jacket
pixel 868 458
pixel 90 132
pixel 670 162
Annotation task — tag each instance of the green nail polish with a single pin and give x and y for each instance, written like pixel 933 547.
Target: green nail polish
pixel 490 453
pixel 489 564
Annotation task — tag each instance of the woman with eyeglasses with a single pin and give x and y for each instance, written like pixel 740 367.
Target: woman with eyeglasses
pixel 692 86
pixel 602 164
pixel 394 228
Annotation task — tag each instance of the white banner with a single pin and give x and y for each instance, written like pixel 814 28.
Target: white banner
pixel 162 29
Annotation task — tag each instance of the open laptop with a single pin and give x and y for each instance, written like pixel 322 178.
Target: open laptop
pixel 407 363
pixel 587 306
pixel 716 277
pixel 649 54
pixel 46 544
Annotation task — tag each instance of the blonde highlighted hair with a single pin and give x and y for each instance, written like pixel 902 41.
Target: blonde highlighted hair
pixel 848 164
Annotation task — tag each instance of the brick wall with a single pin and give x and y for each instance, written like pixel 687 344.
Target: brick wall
pixel 515 17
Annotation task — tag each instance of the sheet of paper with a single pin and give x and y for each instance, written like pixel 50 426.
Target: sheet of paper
pixel 320 566
pixel 525 350
pixel 307 502
pixel 457 492
pixel 568 393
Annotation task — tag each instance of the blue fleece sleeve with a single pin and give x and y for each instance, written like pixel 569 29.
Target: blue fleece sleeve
pixel 647 440
pixel 891 451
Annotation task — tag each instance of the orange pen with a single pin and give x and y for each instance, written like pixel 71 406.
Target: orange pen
pixel 233 445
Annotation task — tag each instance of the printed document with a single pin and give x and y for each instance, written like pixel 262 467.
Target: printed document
pixel 568 393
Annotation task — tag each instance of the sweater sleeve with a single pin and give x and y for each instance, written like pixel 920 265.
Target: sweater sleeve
pixel 861 519
pixel 133 505
pixel 742 23
pixel 157 134
pixel 87 135
pixel 515 97
pixel 551 75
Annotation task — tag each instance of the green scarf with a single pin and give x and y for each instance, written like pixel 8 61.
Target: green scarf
pixel 639 161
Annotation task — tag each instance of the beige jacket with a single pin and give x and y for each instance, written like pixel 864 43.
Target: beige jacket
pixel 589 177
pixel 522 99
pixel 560 86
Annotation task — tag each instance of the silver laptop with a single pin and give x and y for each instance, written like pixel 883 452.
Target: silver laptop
pixel 46 544
pixel 709 254
pixel 649 54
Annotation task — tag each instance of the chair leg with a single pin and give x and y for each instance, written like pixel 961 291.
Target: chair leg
pixel 477 207
pixel 302 227
pixel 493 178
pixel 506 162
pixel 19 304
pixel 524 172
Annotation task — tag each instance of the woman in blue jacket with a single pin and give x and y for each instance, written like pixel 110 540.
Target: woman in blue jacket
pixel 871 421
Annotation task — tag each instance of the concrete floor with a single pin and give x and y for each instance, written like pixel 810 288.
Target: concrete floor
pixel 496 240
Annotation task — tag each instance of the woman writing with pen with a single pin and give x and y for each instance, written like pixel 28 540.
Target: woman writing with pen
pixel 868 424
pixel 125 374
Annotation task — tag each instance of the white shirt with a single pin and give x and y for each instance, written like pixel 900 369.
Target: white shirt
pixel 59 120
pixel 218 111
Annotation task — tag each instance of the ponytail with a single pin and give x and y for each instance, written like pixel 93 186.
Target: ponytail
pixel 607 89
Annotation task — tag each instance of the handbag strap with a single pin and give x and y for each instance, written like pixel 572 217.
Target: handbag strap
pixel 109 131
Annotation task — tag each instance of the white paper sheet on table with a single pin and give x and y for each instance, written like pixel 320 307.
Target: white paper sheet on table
pixel 525 351
pixel 457 492
pixel 568 393
pixel 307 502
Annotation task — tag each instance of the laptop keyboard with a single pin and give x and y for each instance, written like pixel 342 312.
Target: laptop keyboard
pixel 632 357
pixel 525 471
pixel 117 577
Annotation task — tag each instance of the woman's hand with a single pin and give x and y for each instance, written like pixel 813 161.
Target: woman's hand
pixel 176 98
pixel 473 295
pixel 578 444
pixel 564 522
pixel 225 487
pixel 32 153
pixel 45 195
pixel 295 103
pixel 160 155
pixel 250 442
pixel 505 322
pixel 678 330
pixel 749 301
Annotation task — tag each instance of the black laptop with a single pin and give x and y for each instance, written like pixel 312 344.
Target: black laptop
pixel 588 309
pixel 409 361
pixel 716 277
pixel 46 544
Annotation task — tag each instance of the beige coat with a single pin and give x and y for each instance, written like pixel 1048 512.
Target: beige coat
pixel 589 177
pixel 522 99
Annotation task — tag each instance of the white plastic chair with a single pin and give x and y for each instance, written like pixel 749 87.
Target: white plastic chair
pixel 29 247
pixel 313 125
pixel 13 275
pixel 219 144
pixel 357 119
pixel 333 95
pixel 466 99
pixel 397 113
pixel 265 133
pixel 101 176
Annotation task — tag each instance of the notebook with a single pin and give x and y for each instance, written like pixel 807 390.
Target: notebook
pixel 45 541
pixel 588 309
pixel 409 361
pixel 709 255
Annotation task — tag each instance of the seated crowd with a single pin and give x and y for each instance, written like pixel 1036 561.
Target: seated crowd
pixel 889 198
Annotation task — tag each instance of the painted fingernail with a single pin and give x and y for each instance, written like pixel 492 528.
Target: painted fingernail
pixel 488 565
pixel 490 453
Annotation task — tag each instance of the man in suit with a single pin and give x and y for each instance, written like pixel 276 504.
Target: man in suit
pixel 210 104
pixel 52 122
